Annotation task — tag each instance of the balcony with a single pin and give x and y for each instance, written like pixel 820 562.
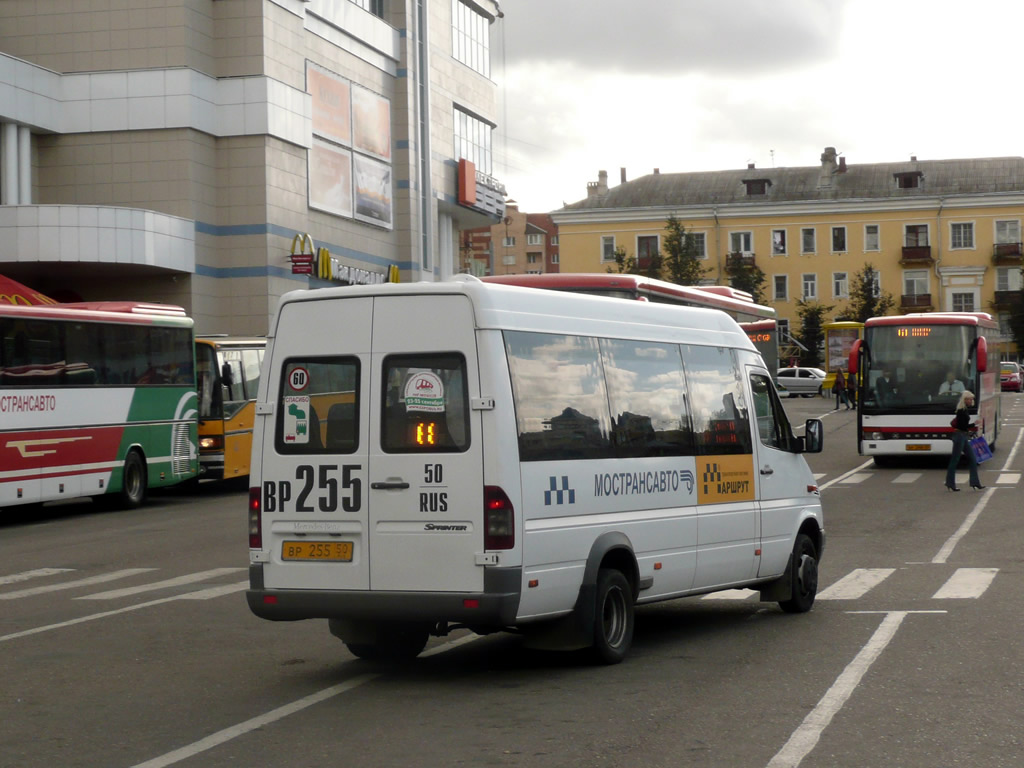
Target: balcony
pixel 916 301
pixel 1005 299
pixel 1008 253
pixel 916 254
pixel 740 260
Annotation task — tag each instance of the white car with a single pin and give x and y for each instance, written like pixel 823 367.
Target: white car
pixel 802 381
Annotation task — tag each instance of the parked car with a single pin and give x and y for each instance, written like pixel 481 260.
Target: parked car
pixel 802 381
pixel 1011 376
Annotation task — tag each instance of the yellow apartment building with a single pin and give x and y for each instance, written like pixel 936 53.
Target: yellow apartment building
pixel 943 235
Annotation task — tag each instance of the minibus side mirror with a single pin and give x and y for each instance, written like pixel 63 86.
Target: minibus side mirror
pixel 814 437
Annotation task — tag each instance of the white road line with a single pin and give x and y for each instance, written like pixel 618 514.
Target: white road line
pixel 907 477
pixel 806 736
pixel 1008 478
pixel 190 578
pixel 103 577
pixel 966 583
pixel 818 475
pixel 856 584
pixel 1013 451
pixel 730 594
pixel 947 549
pixel 223 589
pixel 14 578
pixel 842 477
pixel 221 737
pixel 858 478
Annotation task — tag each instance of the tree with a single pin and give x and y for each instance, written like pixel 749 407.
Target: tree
pixel 749 278
pixel 1016 320
pixel 811 336
pixel 865 298
pixel 682 260
pixel 624 265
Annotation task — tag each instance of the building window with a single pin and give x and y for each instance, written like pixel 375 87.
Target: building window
pixel 840 285
pixel 741 242
pixel 916 235
pixel 1008 231
pixel 509 241
pixel 784 329
pixel 778 242
pixel 535 239
pixel 963 302
pixel 871 238
pixel 646 247
pixel 471 42
pixel 554 239
pixel 1005 329
pixel 807 244
pixel 554 258
pixel 781 292
pixel 1008 279
pixel 757 186
pixel 876 284
pixel 698 243
pixel 810 282
pixel 608 248
pixel 533 258
pixel 961 235
pixel 915 282
pixel 376 7
pixel 473 140
pixel 838 239
pixel 911 180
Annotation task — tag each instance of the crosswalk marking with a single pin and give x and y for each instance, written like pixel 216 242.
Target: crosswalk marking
pixel 103 577
pixel 860 477
pixel 907 477
pixel 190 578
pixel 856 583
pixel 1008 478
pixel 14 578
pixel 223 589
pixel 966 583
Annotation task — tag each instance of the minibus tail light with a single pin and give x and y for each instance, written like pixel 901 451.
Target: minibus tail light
pixel 499 519
pixel 255 523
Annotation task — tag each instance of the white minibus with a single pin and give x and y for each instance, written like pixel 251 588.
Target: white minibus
pixel 433 456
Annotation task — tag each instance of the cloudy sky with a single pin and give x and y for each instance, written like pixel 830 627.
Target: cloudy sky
pixel 697 85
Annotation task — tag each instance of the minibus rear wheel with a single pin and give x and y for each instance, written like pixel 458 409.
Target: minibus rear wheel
pixel 613 616
pixel 804 578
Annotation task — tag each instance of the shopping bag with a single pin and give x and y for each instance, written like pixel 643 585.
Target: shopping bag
pixel 980 447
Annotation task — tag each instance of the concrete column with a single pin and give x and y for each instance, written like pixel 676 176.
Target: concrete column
pixel 24 165
pixel 9 162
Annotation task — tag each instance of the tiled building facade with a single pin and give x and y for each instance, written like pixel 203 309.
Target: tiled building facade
pixel 173 151
pixel 943 235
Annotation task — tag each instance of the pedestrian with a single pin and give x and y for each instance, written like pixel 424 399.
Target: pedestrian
pixel 839 387
pixel 962 429
pixel 851 390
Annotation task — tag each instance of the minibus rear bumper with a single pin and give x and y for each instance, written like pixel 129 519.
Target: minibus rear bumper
pixel 495 607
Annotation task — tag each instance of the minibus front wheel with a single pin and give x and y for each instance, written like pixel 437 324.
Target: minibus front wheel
pixel 804 576
pixel 613 616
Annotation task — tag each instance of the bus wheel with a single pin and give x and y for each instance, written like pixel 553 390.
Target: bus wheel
pixel 133 481
pixel 394 643
pixel 804 577
pixel 613 617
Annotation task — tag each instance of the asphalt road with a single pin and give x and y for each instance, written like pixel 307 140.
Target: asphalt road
pixel 125 640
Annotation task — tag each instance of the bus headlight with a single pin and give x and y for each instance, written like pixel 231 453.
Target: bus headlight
pixel 211 443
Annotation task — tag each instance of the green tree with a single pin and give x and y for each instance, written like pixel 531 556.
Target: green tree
pixel 865 298
pixel 624 264
pixel 1016 320
pixel 811 336
pixel 749 278
pixel 682 259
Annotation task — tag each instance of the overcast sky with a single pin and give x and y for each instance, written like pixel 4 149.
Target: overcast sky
pixel 698 85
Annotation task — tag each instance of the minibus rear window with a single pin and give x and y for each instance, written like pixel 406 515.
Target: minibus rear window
pixel 318 408
pixel 426 404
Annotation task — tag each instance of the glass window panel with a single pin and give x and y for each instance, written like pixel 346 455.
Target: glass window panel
pixel 718 408
pixel 426 404
pixel 318 406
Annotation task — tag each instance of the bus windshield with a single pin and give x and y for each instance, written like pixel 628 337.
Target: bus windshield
pixel 917 368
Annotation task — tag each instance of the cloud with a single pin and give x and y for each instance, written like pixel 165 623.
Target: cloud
pixel 670 36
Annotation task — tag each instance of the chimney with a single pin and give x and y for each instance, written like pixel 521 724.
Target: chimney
pixel 657 171
pixel 913 158
pixel 828 167
pixel 750 166
pixel 842 165
pixel 599 187
pixel 622 175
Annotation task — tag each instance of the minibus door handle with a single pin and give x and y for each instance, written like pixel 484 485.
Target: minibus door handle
pixel 390 485
pixel 766 470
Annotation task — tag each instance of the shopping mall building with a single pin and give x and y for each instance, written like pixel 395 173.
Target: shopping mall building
pixel 218 153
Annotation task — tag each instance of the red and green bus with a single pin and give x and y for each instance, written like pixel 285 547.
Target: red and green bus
pixel 96 399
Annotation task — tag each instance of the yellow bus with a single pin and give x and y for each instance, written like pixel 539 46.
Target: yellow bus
pixel 227 377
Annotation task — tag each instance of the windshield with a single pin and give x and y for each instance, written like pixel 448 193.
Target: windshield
pixel 921 368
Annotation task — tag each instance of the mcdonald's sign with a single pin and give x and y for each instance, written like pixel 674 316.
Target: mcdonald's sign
pixel 302 254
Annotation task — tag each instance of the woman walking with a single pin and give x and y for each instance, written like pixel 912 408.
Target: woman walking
pixel 962 428
pixel 839 387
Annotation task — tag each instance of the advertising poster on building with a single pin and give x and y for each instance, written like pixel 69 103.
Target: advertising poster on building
pixel 373 191
pixel 332 108
pixel 371 123
pixel 330 179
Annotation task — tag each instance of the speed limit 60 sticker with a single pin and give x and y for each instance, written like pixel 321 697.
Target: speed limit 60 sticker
pixel 298 379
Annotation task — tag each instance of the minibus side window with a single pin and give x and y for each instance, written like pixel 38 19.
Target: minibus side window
pixel 647 393
pixel 721 423
pixel 318 406
pixel 560 397
pixel 426 404
pixel 772 424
